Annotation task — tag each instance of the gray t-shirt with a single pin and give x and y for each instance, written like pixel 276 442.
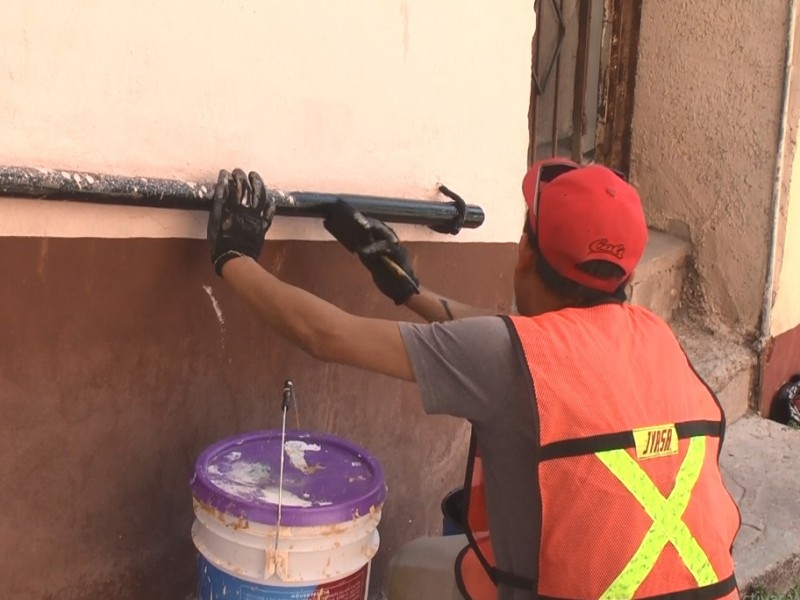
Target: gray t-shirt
pixel 470 368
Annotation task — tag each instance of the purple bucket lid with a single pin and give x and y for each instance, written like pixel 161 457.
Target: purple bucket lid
pixel 326 480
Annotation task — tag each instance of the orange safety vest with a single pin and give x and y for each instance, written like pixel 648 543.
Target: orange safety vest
pixel 632 500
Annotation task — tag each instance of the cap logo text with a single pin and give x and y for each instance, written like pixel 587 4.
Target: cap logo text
pixel 606 247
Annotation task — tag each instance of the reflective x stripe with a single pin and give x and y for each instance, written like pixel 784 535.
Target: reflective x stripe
pixel 666 513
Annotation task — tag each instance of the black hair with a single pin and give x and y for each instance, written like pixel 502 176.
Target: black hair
pixel 575 293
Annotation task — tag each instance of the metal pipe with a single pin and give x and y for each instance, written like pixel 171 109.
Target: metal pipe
pixel 80 186
pixel 766 311
pixel 554 129
pixel 532 112
pixel 581 74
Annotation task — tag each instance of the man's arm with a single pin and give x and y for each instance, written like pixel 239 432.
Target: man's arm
pixel 318 327
pixel 432 307
pixel 241 213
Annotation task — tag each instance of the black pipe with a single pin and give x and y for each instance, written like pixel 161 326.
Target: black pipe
pixel 80 186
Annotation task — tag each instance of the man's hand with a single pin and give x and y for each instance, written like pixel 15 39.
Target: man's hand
pixel 240 216
pixel 378 248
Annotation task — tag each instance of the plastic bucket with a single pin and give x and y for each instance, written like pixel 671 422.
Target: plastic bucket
pixel 333 492
pixel 453 513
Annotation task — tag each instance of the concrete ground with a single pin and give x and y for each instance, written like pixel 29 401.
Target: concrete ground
pixel 761 465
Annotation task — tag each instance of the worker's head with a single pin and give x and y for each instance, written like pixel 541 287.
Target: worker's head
pixel 584 234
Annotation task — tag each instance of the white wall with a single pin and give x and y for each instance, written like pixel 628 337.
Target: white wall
pixel 386 98
pixel 786 309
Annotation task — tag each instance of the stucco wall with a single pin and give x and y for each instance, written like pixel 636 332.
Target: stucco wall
pixel 704 147
pixel 116 368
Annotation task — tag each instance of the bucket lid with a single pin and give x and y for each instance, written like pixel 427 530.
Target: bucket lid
pixel 326 480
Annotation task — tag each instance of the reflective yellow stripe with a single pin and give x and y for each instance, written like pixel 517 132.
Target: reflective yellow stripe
pixel 666 513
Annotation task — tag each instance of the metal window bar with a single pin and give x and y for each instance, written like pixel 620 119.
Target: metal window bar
pixel 546 62
pixel 80 186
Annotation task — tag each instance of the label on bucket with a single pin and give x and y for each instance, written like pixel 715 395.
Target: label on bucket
pixel 215 584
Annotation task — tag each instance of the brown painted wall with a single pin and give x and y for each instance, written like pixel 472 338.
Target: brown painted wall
pixel 781 360
pixel 115 372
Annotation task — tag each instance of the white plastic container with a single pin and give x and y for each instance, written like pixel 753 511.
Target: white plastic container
pixel 333 492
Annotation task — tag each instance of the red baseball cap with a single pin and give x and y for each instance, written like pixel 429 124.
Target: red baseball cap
pixel 582 213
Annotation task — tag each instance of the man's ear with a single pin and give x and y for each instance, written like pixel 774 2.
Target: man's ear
pixel 526 256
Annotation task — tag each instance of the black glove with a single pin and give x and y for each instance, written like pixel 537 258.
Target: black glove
pixel 240 216
pixel 378 248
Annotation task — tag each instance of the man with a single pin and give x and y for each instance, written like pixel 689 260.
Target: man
pixel 595 454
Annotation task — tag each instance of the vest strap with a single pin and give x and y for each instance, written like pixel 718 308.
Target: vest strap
pixel 714 591
pixel 495 575
pixel 622 439
pixel 512 580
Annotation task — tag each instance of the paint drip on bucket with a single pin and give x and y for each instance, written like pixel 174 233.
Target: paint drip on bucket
pixel 331 498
